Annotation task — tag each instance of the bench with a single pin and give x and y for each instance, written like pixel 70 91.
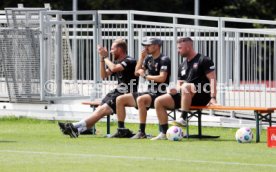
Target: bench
pixel 261 113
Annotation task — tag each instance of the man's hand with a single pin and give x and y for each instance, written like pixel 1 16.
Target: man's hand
pixel 171 91
pixel 102 52
pixel 143 54
pixel 212 102
pixel 140 72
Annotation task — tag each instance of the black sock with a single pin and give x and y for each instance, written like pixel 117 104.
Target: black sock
pixel 121 124
pixel 142 127
pixel 184 115
pixel 164 128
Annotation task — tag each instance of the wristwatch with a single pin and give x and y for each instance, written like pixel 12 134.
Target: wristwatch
pixel 145 76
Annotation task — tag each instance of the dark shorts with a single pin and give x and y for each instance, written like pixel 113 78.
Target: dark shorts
pixel 152 95
pixel 110 99
pixel 199 99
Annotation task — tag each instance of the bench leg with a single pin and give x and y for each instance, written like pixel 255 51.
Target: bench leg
pixel 199 124
pixel 198 115
pixel 270 119
pixel 108 126
pixel 259 116
pixel 94 126
pixel 187 125
pixel 257 127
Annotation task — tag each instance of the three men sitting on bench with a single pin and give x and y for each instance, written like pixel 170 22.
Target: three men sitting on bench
pixel 196 85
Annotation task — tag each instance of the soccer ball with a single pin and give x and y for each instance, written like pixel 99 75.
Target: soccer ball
pixel 174 133
pixel 244 135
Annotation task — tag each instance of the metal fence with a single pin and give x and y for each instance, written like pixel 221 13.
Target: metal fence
pixel 244 56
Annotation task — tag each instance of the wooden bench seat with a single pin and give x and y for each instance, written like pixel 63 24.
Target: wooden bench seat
pixel 261 113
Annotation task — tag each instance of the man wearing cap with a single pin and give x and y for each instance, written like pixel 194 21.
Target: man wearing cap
pixel 155 68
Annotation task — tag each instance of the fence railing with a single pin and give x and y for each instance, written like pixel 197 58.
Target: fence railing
pixel 243 54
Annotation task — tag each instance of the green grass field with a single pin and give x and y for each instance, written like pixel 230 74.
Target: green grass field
pixel 34 145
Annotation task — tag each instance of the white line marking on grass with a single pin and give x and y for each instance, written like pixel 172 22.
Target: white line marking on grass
pixel 137 158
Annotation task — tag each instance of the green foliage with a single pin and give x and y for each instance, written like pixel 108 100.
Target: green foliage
pixel 261 9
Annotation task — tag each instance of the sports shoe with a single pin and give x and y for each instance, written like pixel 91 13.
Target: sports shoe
pixel 139 135
pixel 91 131
pixel 116 135
pixel 122 133
pixel 161 136
pixel 179 122
pixel 71 130
pixel 62 127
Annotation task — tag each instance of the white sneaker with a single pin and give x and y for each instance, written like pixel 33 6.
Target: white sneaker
pixel 161 136
pixel 179 122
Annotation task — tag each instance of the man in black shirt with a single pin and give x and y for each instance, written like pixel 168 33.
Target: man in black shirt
pixel 196 85
pixel 155 68
pixel 123 70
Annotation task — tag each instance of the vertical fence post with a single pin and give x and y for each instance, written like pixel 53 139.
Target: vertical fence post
pixel 42 57
pixel 174 57
pixel 221 62
pixel 97 40
pixel 74 40
pixel 58 57
pixel 130 18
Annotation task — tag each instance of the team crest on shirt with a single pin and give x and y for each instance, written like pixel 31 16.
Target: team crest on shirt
pixel 195 65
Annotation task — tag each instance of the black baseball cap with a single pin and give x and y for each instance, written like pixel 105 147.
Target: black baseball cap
pixel 152 40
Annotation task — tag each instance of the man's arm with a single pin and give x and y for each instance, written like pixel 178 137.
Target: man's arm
pixel 104 72
pixel 176 89
pixel 112 68
pixel 165 67
pixel 158 78
pixel 213 84
pixel 139 69
pixel 103 53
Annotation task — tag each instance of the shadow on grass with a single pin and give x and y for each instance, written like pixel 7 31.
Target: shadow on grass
pixel 7 141
pixel 208 139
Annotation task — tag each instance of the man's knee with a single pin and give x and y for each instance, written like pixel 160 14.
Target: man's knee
pixel 104 110
pixel 158 102
pixel 188 88
pixel 120 100
pixel 141 101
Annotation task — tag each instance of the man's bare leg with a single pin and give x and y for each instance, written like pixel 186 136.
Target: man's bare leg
pixel 143 102
pixel 188 90
pixel 122 102
pixel 88 122
pixel 161 104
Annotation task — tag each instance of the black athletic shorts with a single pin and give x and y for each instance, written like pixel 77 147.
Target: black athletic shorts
pixel 199 99
pixel 110 99
pixel 152 95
